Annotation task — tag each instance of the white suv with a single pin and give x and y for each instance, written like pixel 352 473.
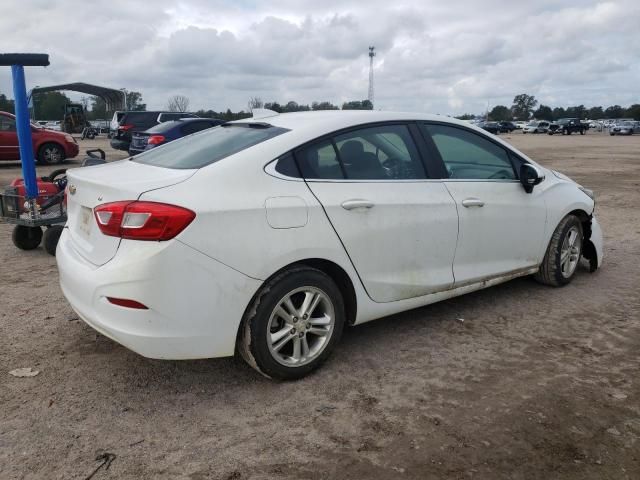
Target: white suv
pixel 271 234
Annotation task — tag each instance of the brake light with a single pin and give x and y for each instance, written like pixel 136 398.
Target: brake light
pixel 155 139
pixel 142 220
pixel 125 127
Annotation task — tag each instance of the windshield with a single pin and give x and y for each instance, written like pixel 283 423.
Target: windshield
pixel 209 146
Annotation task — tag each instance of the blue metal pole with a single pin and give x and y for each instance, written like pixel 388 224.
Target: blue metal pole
pixel 24 131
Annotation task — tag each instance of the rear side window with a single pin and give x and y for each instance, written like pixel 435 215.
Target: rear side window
pixel 209 146
pixel 320 161
pixel 467 155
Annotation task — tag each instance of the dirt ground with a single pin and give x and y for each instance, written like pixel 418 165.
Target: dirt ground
pixel 519 381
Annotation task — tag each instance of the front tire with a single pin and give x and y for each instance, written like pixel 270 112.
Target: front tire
pixel 51 154
pixel 563 254
pixel 292 324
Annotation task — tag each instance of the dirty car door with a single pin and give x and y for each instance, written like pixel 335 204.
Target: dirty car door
pixel 398 227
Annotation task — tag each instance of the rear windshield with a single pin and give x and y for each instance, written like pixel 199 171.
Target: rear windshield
pixel 164 127
pixel 209 146
pixel 139 118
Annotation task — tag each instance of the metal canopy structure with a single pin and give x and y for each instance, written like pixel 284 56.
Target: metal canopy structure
pixel 115 99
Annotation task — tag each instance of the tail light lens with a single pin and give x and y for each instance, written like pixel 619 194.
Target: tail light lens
pixel 124 128
pixel 142 220
pixel 155 139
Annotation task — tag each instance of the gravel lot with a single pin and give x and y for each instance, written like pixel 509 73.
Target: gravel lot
pixel 519 381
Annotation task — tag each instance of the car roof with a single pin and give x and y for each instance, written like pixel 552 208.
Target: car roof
pixel 326 121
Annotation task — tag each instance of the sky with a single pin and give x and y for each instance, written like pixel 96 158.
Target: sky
pixel 432 56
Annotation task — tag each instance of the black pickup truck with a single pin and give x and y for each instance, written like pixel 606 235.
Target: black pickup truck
pixel 567 126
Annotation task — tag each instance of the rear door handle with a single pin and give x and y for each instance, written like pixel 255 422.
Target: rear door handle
pixel 472 202
pixel 356 203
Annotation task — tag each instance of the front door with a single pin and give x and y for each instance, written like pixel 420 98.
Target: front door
pixel 398 228
pixel 501 226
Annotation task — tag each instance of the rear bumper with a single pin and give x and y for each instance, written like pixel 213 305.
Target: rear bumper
pixel 195 303
pixel 119 144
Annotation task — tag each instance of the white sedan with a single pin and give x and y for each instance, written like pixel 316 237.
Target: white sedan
pixel 267 236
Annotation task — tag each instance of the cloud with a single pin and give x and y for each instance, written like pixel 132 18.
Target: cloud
pixel 433 56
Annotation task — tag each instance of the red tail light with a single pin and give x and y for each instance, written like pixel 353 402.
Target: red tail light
pixel 125 127
pixel 155 139
pixel 142 220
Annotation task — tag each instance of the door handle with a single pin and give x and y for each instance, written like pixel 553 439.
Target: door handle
pixel 356 203
pixel 472 202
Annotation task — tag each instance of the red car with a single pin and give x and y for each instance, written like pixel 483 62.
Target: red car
pixel 49 147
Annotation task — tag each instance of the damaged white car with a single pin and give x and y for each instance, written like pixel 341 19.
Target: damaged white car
pixel 269 235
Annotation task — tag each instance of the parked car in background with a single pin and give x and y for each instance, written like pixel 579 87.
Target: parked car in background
pixel 49 147
pixel 55 125
pixel 267 236
pixel 507 127
pixel 491 127
pixel 520 125
pixel 625 128
pixel 138 122
pixel 115 121
pixel 167 132
pixel 567 126
pixel 541 126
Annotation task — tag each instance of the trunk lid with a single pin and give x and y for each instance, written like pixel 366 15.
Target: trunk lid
pixel 139 140
pixel 89 187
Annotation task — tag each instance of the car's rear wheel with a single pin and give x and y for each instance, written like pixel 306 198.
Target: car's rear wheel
pixel 563 254
pixel 292 324
pixel 50 154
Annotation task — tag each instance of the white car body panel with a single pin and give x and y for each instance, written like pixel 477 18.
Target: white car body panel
pixel 250 224
pixel 503 235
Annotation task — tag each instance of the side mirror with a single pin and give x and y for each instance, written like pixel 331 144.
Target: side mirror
pixel 530 176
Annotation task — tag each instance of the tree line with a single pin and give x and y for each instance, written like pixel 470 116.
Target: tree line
pixel 526 107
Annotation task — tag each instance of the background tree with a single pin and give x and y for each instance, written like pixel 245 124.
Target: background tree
pixel 615 111
pixel 466 116
pixel 275 106
pixel 178 103
pixel 633 111
pixel 559 112
pixel 578 112
pixel 595 113
pixel 357 105
pixel 324 106
pixel 255 102
pixel 500 113
pixel 543 113
pixel 98 108
pixel 523 106
pixel 6 104
pixel 134 101
pixel 49 105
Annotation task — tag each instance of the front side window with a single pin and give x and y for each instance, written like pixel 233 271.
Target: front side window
pixel 208 146
pixel 467 155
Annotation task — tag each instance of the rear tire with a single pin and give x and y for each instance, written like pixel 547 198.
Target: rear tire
pixel 281 338
pixel 563 254
pixel 26 238
pixel 51 237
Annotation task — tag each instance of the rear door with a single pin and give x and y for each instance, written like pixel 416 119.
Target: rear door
pixel 501 226
pixel 8 139
pixel 398 227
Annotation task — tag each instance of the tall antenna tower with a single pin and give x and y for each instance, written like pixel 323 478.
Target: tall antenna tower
pixel 372 54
